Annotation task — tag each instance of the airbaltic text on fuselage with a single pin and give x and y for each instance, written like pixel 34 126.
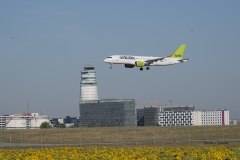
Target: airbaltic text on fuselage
pixel 126 57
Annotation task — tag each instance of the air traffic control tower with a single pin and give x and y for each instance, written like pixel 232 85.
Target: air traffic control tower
pixel 88 84
pixel 105 112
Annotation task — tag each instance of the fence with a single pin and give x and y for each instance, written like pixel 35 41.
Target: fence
pixel 120 136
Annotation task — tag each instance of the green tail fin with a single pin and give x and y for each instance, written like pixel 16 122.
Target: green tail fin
pixel 179 52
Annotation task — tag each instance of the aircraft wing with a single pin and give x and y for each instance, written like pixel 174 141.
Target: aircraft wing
pixel 149 61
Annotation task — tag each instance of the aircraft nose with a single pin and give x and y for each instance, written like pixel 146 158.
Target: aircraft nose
pixel 106 60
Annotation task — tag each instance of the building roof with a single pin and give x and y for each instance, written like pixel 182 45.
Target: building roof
pixel 107 100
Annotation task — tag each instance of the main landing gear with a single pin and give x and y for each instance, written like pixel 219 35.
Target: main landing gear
pixel 141 69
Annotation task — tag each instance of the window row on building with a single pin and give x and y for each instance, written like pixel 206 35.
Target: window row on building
pixel 181 116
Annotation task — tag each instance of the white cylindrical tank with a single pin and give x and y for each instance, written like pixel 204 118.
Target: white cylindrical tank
pixel 40 121
pixel 37 121
pixel 27 121
pixel 16 123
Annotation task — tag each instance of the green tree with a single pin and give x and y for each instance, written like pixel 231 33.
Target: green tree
pixel 45 125
pixel 60 125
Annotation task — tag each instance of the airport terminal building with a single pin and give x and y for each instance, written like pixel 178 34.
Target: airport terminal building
pixel 164 115
pixel 181 116
pixel 108 112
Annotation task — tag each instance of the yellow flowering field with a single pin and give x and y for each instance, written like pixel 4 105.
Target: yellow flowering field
pixel 132 153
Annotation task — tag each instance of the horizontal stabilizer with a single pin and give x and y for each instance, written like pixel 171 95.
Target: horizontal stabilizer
pixel 183 60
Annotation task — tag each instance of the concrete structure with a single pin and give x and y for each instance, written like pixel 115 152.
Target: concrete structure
pixel 149 116
pixel 234 122
pixel 25 121
pixel 197 118
pixel 215 117
pixel 88 84
pixel 71 120
pixel 181 116
pixel 108 112
pixel 53 121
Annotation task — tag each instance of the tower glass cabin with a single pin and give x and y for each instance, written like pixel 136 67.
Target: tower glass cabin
pixel 88 84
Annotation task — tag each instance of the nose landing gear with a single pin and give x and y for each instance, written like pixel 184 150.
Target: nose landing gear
pixel 141 69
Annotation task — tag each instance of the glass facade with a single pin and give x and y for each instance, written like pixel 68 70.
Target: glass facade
pixel 140 117
pixel 108 112
pixel 73 120
pixel 88 76
pixel 151 116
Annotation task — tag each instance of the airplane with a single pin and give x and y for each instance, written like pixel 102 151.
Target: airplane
pixel 141 61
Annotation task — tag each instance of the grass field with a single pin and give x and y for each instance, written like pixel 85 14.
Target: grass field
pixel 126 136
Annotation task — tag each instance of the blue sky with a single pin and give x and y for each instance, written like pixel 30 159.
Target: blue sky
pixel 45 44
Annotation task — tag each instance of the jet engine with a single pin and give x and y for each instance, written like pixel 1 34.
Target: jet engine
pixel 129 66
pixel 140 63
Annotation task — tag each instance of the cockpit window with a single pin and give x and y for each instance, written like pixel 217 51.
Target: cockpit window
pixel 109 57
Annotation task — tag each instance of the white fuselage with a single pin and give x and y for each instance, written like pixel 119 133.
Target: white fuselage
pixel 125 59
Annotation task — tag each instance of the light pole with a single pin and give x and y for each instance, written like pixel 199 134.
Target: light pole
pixel 117 133
pixel 1 134
pixel 99 141
pixel 80 135
pixel 153 133
pixel 170 103
pixel 223 131
pixel 171 118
